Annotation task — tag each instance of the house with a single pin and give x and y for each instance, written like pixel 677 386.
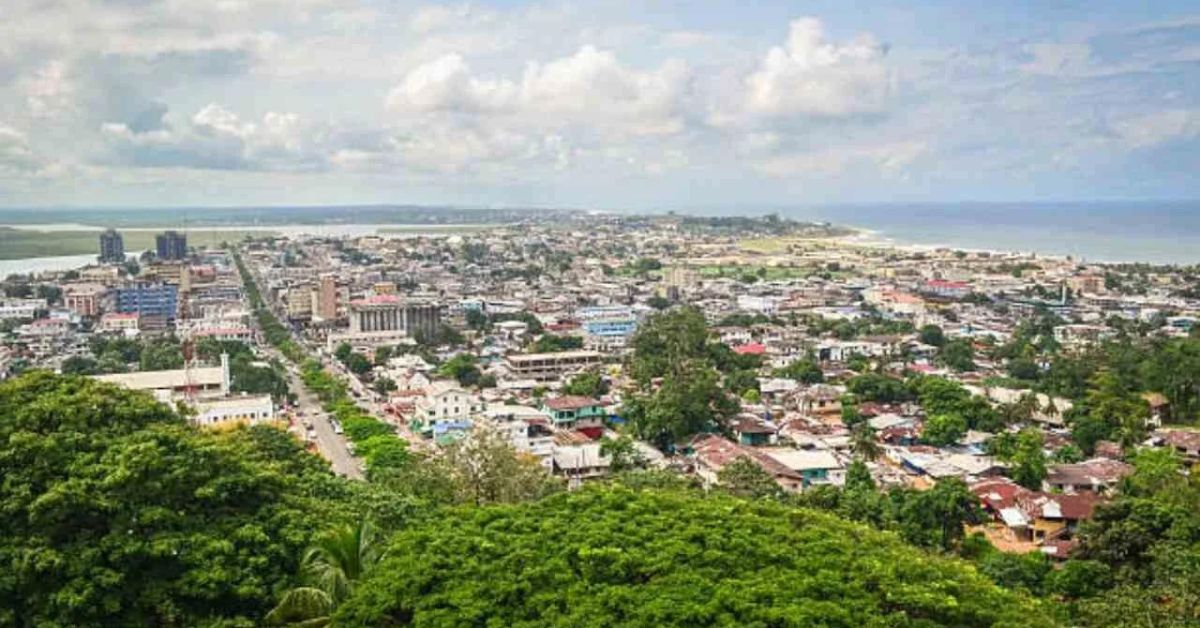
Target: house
pixel 580 461
pixel 1097 475
pixel 1054 516
pixel 446 401
pixel 815 466
pixel 712 453
pixel 753 431
pixel 576 412
pixel 820 400
pixel 1185 443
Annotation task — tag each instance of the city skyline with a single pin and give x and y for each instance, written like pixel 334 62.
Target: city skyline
pixel 595 105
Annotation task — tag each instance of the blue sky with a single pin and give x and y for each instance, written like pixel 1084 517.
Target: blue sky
pixel 613 104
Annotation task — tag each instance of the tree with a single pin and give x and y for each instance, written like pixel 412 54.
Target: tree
pixel 805 371
pixel 482 468
pixel 668 558
pixel 932 335
pixel 383 385
pixel 161 355
pixel 957 355
pixel 117 512
pixel 462 367
pixel 331 567
pixel 343 352
pixel 687 404
pixel 623 454
pixel 944 429
pixel 549 343
pixel 658 302
pixel 358 364
pixel 1029 459
pixel 587 384
pixel 935 518
pixel 863 442
pixel 79 365
pixel 746 478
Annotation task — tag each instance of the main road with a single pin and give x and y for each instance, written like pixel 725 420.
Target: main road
pixel 331 445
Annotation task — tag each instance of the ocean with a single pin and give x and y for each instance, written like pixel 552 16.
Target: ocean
pixel 1153 232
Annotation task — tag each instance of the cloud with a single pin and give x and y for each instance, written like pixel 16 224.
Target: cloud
pixel 589 87
pixel 1157 128
pixel 216 138
pixel 810 76
pixel 16 157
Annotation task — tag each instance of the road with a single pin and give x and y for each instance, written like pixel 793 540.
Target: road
pixel 332 446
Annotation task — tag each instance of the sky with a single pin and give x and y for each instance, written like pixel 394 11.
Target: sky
pixel 608 104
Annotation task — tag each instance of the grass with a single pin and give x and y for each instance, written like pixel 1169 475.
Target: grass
pixel 21 244
pixel 766 246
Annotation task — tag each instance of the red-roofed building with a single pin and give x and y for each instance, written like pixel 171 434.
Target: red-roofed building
pixel 753 348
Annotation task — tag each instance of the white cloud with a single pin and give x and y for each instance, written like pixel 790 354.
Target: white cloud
pixel 811 76
pixel 1152 129
pixel 446 84
pixel 890 160
pixel 217 138
pixel 16 157
pixel 589 87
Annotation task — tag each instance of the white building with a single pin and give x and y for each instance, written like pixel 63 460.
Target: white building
pixel 447 401
pixel 248 409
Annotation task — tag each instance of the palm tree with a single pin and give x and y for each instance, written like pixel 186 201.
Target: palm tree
pixel 331 567
pixel 863 443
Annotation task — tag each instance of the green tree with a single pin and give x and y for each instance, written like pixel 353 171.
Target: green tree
pixel 1029 459
pixel 932 335
pixel 863 442
pixel 745 478
pixel 358 364
pixel 343 352
pixel 161 355
pixel 623 454
pixel 958 355
pixel 587 384
pixel 805 371
pixel 669 558
pixel 944 429
pixel 462 367
pixel 331 568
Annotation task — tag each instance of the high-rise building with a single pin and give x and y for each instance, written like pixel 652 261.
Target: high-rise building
pixel 149 299
pixel 112 247
pixel 327 298
pixel 171 245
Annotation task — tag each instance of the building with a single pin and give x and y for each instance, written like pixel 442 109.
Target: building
pixel 244 409
pixel 943 289
pixel 21 309
pixel 112 247
pixel 298 302
pixel 208 382
pixel 119 323
pixel 85 299
pixel 391 313
pixel 325 307
pixel 576 412
pixel 147 299
pixel 1097 475
pixel 171 245
pixel 446 402
pixel 551 366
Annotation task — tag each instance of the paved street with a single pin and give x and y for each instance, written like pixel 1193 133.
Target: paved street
pixel 332 446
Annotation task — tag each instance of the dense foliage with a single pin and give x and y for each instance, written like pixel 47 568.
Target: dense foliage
pixel 116 512
pixel 604 557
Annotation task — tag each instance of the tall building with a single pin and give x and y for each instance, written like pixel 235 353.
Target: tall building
pixel 171 245
pixel 390 313
pixel 112 247
pixel 149 299
pixel 327 298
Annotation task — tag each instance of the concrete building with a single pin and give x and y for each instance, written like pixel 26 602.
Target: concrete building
pixel 550 366
pixel 391 313
pixel 168 385
pixel 298 301
pixel 170 245
pixel 112 247
pixel 147 299
pixel 21 308
pixel 85 299
pixel 246 409
pixel 325 297
pixel 119 323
